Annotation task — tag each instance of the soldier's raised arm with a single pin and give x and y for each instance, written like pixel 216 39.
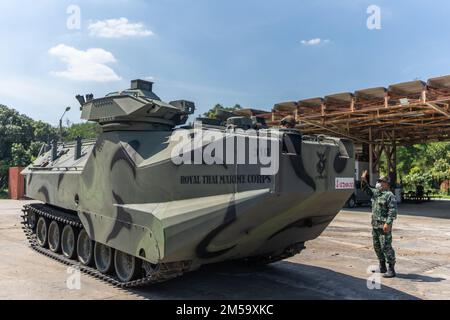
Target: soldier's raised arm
pixel 392 209
pixel 365 184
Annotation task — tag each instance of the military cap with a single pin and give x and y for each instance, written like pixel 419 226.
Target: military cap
pixel 289 120
pixel 383 179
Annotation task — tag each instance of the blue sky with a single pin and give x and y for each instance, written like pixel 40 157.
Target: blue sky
pixel 255 53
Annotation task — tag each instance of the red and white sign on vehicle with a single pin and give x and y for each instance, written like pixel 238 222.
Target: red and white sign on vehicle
pixel 344 183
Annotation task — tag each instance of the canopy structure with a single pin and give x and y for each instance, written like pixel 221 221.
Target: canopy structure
pixel 407 113
pixel 382 118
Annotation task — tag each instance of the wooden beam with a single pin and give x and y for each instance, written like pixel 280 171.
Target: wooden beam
pixel 438 109
pixel 424 96
pixel 335 131
pixel 376 109
pixel 426 118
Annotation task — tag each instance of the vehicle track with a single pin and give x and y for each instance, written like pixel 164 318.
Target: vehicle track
pixel 163 272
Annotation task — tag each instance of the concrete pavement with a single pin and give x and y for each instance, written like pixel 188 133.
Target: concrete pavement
pixel 334 266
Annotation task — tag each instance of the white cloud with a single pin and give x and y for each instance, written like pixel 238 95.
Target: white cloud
pixel 89 65
pixel 314 42
pixel 118 28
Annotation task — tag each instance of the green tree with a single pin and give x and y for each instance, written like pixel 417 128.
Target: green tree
pixel 34 149
pixel 14 128
pixel 426 163
pixel 44 132
pixel 21 157
pixel 4 165
pixel 212 112
pixel 87 130
pixel 20 140
pixel 440 170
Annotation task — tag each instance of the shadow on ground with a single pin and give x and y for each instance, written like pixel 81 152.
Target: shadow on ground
pixel 282 280
pixel 419 278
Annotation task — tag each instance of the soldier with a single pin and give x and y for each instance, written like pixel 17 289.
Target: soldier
pixel 384 212
pixel 288 122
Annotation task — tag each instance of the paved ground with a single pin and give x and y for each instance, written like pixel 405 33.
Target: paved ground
pixel 334 266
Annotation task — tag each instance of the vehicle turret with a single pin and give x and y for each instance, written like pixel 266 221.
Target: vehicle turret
pixel 137 108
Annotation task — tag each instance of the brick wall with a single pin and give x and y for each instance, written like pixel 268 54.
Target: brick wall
pixel 16 183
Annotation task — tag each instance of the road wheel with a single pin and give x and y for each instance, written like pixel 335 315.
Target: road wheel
pixel 128 267
pixel 41 232
pixel 104 258
pixel 351 203
pixel 68 242
pixel 54 236
pixel 85 249
pixel 31 220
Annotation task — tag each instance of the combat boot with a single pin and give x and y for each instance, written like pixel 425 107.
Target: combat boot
pixel 381 268
pixel 390 272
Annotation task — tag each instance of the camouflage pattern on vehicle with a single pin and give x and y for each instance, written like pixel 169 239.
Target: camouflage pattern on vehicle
pixel 132 199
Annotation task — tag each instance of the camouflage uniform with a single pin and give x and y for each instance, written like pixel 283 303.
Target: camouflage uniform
pixel 384 211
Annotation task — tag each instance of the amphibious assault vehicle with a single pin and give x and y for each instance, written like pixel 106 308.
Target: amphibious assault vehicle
pixel 125 209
